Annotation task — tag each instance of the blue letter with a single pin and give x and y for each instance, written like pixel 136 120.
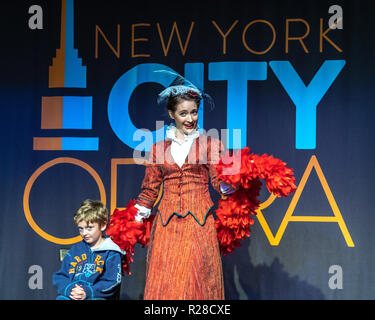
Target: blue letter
pixel 237 74
pixel 118 102
pixel 307 98
pixel 194 72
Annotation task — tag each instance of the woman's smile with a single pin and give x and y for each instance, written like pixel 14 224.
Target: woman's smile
pixel 185 116
pixel 189 126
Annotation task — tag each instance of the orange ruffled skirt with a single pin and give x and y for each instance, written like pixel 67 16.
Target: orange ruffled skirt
pixel 183 261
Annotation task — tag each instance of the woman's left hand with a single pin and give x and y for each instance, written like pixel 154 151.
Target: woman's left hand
pixel 227 189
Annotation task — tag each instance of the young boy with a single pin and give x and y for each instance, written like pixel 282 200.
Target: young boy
pixel 92 268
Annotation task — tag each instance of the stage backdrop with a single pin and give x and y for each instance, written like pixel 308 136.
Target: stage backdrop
pixel 290 78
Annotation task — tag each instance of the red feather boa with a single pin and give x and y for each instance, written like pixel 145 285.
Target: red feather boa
pixel 126 232
pixel 233 214
pixel 234 211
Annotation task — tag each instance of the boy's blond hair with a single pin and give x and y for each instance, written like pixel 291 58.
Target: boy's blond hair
pixel 92 211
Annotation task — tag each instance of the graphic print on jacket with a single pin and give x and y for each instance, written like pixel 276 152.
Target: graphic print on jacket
pixel 97 271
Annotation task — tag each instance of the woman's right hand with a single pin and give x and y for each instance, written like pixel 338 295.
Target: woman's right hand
pixel 143 213
pixel 139 217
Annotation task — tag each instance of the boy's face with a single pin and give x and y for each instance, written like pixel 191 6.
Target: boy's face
pixel 91 232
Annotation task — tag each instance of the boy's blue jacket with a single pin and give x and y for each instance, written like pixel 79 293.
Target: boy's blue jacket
pixel 97 271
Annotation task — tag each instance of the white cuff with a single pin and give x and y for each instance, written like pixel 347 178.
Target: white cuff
pixel 143 213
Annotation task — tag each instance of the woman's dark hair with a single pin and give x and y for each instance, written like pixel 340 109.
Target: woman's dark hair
pixel 174 100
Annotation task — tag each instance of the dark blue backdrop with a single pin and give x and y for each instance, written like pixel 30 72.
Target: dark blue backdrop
pixel 293 259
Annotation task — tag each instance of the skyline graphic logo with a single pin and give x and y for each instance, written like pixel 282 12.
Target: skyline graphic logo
pixel 66 112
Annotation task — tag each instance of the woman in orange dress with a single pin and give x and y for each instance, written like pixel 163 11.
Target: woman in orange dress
pixel 183 260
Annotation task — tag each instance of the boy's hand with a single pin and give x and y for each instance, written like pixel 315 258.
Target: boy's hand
pixel 77 293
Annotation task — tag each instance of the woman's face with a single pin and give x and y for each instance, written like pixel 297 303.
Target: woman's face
pixel 185 116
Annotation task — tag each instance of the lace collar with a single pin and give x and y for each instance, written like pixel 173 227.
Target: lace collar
pixel 171 134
